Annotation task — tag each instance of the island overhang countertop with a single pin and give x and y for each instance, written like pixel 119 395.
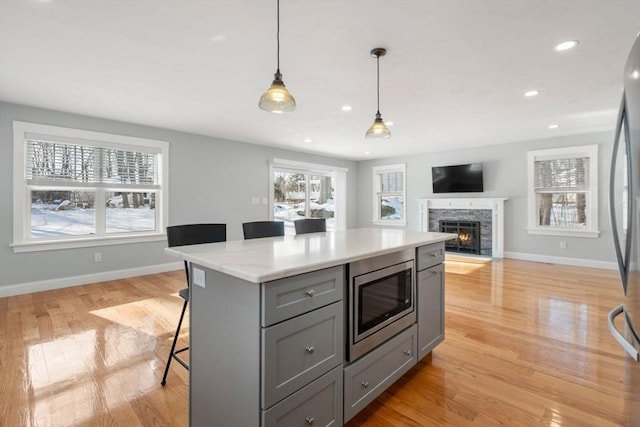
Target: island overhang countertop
pixel 272 258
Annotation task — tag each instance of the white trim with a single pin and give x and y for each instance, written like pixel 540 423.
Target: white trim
pixel 496 205
pixel 591 151
pixel 21 203
pixel 568 232
pixel 84 243
pixel 305 166
pixel 578 262
pixel 378 170
pixel 85 279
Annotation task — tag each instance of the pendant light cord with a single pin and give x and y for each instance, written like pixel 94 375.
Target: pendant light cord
pixel 278 34
pixel 378 85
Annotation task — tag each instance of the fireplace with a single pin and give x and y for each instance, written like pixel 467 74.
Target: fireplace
pixel 468 240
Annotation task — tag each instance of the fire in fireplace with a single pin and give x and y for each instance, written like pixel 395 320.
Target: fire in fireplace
pixel 468 240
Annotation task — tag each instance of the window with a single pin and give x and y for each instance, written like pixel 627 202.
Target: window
pixel 389 195
pixel 75 188
pixel 563 191
pixel 305 190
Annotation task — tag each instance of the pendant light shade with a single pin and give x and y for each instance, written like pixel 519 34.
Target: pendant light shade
pixel 277 98
pixel 378 129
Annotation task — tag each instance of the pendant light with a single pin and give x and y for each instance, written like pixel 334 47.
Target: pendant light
pixel 378 129
pixel 277 98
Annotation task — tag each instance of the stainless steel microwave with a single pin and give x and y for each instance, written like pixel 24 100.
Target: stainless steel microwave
pixel 382 295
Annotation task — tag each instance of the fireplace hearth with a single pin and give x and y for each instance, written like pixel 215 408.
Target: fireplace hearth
pixel 468 240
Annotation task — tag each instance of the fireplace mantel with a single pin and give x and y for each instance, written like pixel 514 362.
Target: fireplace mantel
pixel 496 205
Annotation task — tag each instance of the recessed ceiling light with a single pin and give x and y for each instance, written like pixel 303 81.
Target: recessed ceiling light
pixel 366 153
pixel 531 93
pixel 307 140
pixel 218 38
pixel 554 126
pixel 569 44
pixel 388 123
pixel 346 108
pixel 635 74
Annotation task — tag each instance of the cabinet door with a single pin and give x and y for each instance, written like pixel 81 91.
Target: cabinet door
pixel 430 309
pixel 299 350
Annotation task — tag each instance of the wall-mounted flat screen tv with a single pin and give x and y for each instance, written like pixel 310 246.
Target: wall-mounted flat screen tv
pixel 457 178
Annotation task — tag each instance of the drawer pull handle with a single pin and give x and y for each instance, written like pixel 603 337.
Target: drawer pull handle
pixel 434 272
pixel 309 420
pixel 407 352
pixel 311 293
pixel 365 384
pixel 310 349
pixel 434 254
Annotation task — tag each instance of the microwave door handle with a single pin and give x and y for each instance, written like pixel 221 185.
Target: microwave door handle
pixel 626 345
pixel 620 258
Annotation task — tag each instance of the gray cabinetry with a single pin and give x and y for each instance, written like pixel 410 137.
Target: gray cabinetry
pixel 430 298
pixel 369 376
pixel 430 255
pixel 299 350
pixel 285 298
pixel 318 404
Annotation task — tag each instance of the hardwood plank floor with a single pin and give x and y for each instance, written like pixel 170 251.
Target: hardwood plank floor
pixel 526 344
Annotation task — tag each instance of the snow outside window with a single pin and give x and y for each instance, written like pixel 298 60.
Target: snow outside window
pixel 389 195
pixel 563 191
pixel 76 188
pixel 304 190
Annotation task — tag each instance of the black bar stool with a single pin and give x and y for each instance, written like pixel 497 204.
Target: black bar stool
pixel 183 235
pixel 258 229
pixel 310 225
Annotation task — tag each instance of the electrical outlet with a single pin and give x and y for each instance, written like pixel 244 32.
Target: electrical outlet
pixel 563 245
pixel 97 257
pixel 255 200
pixel 198 277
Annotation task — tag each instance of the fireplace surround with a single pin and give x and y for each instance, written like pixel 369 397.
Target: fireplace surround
pixel 494 207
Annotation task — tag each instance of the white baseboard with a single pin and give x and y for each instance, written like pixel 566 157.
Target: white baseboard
pixel 65 282
pixel 578 262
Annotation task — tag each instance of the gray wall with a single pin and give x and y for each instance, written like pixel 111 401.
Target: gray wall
pixel 505 175
pixel 204 172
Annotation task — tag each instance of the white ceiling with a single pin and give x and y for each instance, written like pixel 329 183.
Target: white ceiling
pixel 454 75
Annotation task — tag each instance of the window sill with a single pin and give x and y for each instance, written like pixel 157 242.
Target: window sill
pixel 564 232
pixel 390 222
pixel 85 243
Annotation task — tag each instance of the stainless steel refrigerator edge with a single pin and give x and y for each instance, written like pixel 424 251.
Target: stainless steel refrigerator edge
pixel 624 207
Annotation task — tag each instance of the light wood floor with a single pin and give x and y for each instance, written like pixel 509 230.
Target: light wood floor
pixel 526 344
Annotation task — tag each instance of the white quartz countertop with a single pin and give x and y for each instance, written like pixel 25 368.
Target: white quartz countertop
pixel 271 258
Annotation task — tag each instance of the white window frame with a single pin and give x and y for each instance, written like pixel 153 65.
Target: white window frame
pixel 589 151
pixel 22 241
pixel 339 174
pixel 377 194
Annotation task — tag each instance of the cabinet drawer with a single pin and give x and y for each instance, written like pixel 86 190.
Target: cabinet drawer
pixel 318 404
pixel 367 378
pixel 430 255
pixel 299 350
pixel 285 298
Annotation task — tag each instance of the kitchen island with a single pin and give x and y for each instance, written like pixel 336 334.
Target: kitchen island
pixel 269 325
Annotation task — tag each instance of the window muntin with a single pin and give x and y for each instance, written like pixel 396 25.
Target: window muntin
pixel 79 186
pixel 563 191
pixel 389 195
